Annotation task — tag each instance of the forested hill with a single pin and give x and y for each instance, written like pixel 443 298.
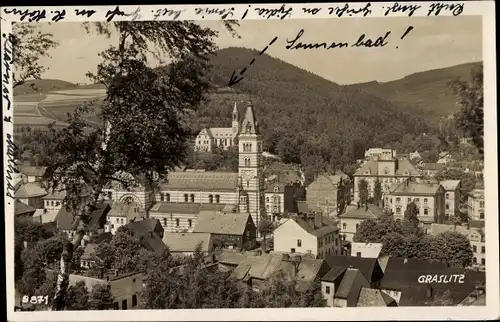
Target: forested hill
pixel 305 118
pixel 425 92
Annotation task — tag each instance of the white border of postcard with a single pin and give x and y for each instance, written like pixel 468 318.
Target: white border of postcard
pixel 486 9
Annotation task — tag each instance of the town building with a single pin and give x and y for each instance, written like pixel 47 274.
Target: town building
pixel 475 204
pixel 243 191
pixel 124 288
pixel 150 233
pixel 186 244
pixel 309 233
pixel 256 270
pixel 428 197
pixel 445 157
pixel 329 193
pixel 32 174
pixel 452 197
pixel 366 250
pixel 380 153
pixel 369 267
pixel 236 230
pixel 403 281
pixel 474 231
pixel 354 216
pixel 31 193
pixel 342 290
pixel 23 210
pixel 387 171
pixel 222 137
pixel 281 199
pixel 67 222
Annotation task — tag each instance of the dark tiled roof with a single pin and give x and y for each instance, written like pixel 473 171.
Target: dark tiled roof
pixel 373 212
pixel 153 242
pixel 67 221
pixel 201 181
pixel 20 208
pixel 365 265
pixel 333 274
pixel 220 223
pixel 348 283
pixel 404 168
pixel 185 207
pixel 144 227
pixel 415 188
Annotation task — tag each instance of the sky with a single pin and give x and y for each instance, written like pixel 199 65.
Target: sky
pixel 434 42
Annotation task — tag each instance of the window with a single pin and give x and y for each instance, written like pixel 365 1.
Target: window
pixel 185 198
pixel 121 221
pixel 417 199
pixel 162 196
pixel 426 211
pixel 276 189
pixel 210 198
pixel 474 249
pixel 447 196
pixel 398 199
pixel 217 199
pixel 299 243
pixel 248 183
pixel 57 203
pixel 358 254
pixel 267 199
pixel 134 300
pixel 164 221
pixel 267 207
pixel 52 203
pixel 192 198
pixel 398 210
pixel 483 261
pixel 409 200
pixel 292 250
pixel 483 249
pixel 344 226
pixel 474 260
pixel 247 162
pixel 481 215
pixel 116 306
pixel 481 204
pixel 425 200
pixel 177 222
pixel 168 197
pixel 190 222
pixel 124 304
pixel 327 290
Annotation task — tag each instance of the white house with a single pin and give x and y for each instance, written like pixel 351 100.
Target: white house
pixel 366 250
pixel 308 234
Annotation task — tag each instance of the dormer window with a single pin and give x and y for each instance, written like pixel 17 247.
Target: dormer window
pixel 249 128
pixel 406 172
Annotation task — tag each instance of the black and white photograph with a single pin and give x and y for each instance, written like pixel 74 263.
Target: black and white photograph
pixel 160 162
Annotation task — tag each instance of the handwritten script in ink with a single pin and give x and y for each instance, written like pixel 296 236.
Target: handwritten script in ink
pixel 7 60
pixel 362 41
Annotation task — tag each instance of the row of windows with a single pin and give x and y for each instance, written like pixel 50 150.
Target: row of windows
pixel 124 303
pixel 276 199
pixel 327 239
pixel 276 209
pixel 417 200
pixel 51 203
pixel 426 210
pixel 177 222
pixel 166 197
pixel 483 261
pixel 483 249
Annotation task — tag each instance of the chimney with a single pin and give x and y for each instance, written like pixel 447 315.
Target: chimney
pixel 429 291
pixel 318 220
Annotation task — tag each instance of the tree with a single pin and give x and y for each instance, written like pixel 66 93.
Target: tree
pixel 470 118
pixel 453 248
pixel 411 222
pixel 52 248
pixel 77 298
pixel 29 46
pixel 363 191
pixel 265 228
pixel 33 272
pixel 100 298
pixel 373 231
pixel 377 193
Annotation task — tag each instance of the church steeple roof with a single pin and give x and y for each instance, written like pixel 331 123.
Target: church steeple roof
pixel 249 125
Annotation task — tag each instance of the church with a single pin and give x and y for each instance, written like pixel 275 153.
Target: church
pixel 178 201
pixel 222 137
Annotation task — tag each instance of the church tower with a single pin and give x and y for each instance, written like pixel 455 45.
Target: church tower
pixel 250 168
pixel 236 123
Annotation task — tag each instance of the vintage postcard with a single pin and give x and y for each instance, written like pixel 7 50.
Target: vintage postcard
pixel 331 161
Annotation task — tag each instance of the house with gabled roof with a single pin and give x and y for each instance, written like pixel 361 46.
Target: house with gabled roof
pixel 67 222
pixel 354 216
pixel 31 193
pixel 341 286
pixel 329 192
pixel 228 229
pixel 369 267
pixel 452 197
pixel 369 297
pixel 308 233
pixel 387 171
pixel 187 243
pixel 150 232
pixel 22 209
pixel 428 197
pixel 32 174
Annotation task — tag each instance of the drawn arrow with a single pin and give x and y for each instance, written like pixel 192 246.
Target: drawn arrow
pixel 235 78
